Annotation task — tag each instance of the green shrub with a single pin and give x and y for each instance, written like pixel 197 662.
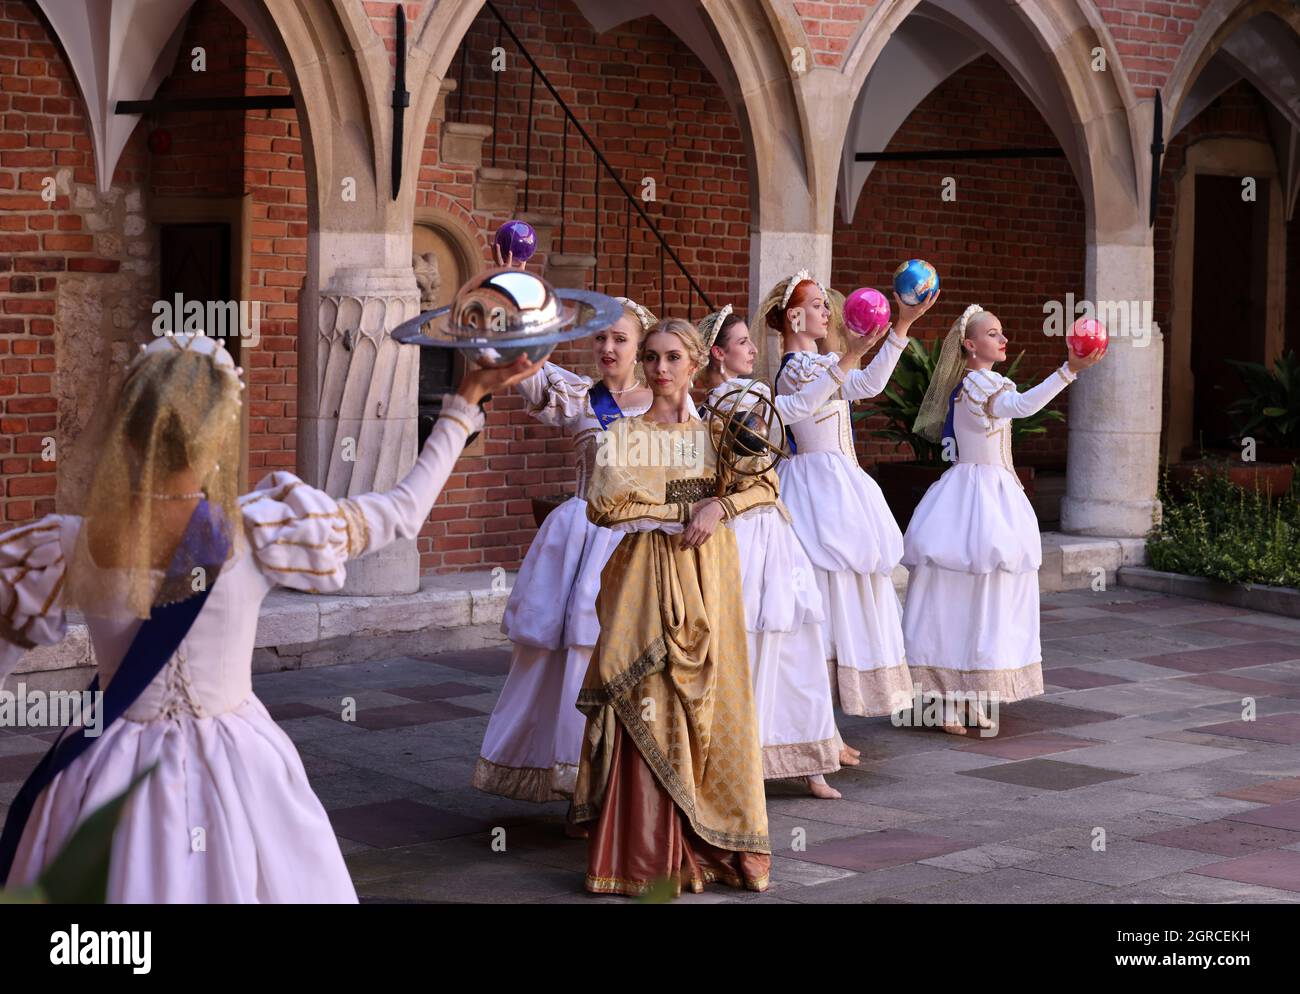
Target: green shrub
pixel 1215 529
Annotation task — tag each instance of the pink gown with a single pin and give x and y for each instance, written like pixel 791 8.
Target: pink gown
pixel 228 816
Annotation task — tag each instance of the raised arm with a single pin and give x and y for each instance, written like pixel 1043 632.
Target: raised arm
pixel 555 395
pixel 401 512
pixel 1008 403
pixel 863 383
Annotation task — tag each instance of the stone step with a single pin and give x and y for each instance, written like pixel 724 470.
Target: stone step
pixel 497 190
pixel 462 144
pixel 570 271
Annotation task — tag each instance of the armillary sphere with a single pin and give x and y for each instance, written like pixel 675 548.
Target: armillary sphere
pixel 742 424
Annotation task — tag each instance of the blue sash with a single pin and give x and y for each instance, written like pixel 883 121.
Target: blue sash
pixel 789 435
pixel 604 404
pixel 157 639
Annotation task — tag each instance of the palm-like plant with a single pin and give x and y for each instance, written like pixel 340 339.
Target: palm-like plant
pixel 906 390
pixel 1270 410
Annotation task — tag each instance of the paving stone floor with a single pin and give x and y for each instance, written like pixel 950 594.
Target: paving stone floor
pixel 1139 743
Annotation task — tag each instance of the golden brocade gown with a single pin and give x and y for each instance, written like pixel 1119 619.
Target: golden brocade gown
pixel 671 768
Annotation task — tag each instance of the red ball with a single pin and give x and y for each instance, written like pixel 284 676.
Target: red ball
pixel 1086 337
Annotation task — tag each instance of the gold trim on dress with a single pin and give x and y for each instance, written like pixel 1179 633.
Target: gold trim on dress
pixel 690 489
pixel 1009 685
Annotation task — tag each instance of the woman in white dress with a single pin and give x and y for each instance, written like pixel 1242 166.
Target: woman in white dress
pixel 973 548
pixel 170 569
pixel 530 750
pixel 837 510
pixel 783 607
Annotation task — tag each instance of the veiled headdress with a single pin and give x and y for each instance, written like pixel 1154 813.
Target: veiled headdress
pixel 948 372
pixel 161 515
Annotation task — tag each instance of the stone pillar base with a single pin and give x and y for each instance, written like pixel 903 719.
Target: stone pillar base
pixel 394 569
pixel 1106 518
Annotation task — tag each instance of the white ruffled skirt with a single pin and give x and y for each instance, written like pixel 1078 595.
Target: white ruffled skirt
pixel 971 620
pixel 534 737
pixel 783 616
pixel 227 817
pixel 843 523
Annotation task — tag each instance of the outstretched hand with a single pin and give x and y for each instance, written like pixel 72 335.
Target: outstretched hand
pixel 1078 362
pixel 907 313
pixel 856 346
pixel 479 381
pixel 508 260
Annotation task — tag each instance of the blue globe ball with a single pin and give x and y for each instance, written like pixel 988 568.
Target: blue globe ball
pixel 915 281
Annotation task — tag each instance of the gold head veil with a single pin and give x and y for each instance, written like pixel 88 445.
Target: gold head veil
pixel 173 437
pixel 948 372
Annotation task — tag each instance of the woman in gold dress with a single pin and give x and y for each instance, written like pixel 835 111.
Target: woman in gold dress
pixel 671 771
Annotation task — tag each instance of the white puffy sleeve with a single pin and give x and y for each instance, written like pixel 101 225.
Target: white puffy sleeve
pixel 803 369
pixel 32 569
pixel 863 383
pixel 301 537
pixel 556 396
pixel 996 396
pixel 811 396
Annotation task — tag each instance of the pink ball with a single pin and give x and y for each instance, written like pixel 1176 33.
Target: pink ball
pixel 866 311
pixel 1087 336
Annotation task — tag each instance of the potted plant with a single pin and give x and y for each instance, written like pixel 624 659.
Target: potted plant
pixel 905 483
pixel 1268 413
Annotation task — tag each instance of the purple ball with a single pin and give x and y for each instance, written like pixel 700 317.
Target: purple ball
pixel 517 237
pixel 866 311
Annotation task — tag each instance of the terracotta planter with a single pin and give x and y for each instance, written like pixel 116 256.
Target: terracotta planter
pixel 1266 477
pixel 542 506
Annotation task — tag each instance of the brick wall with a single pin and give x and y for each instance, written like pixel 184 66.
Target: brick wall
pixel 653 110
pixel 1150 35
pixel 831 26
pixel 75 271
pixel 1013 238
pixel 274 173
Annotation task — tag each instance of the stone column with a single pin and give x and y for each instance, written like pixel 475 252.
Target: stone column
pixel 358 404
pixel 1114 441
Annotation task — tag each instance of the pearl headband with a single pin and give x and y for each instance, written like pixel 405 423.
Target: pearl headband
pixel 794 281
pixel 711 335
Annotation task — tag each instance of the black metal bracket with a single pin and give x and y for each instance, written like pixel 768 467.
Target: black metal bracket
pixel 936 155
pixel 1157 153
pixel 203 103
pixel 401 100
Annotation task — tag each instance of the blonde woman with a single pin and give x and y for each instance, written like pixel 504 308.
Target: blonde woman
pixel 530 749
pixel 671 773
pixel 170 567
pixel 973 548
